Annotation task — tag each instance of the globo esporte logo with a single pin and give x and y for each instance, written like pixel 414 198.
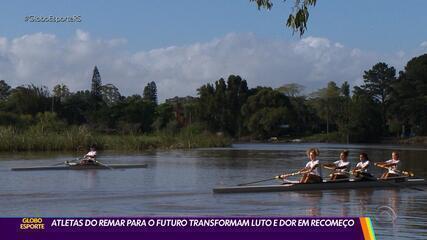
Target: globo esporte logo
pixel 31 224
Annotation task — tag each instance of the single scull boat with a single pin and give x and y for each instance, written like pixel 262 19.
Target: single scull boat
pixel 77 166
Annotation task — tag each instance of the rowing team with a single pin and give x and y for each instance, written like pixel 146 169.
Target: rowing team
pixel 311 173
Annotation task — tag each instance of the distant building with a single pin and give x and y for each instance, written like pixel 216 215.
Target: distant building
pixel 182 100
pixel 183 108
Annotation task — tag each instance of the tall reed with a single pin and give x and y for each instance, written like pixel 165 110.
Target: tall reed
pixel 78 138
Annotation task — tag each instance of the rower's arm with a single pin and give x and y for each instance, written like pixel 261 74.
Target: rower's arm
pixel 306 169
pixel 385 164
pixel 342 167
pixel 329 165
pixel 390 164
pixel 314 167
pixel 364 167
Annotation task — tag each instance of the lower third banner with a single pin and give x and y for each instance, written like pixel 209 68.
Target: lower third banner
pixel 188 228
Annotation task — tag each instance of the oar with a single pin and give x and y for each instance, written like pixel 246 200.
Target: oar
pixel 397 185
pixel 406 173
pixel 303 171
pixel 57 164
pixel 100 163
pixel 330 166
pixel 264 180
pixel 273 178
pixel 392 184
pixel 385 181
pixel 61 163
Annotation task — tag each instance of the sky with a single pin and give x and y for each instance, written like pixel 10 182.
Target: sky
pixel 184 44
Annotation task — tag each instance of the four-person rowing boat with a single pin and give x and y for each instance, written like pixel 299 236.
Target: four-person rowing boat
pixel 79 166
pixel 398 182
pixel 340 178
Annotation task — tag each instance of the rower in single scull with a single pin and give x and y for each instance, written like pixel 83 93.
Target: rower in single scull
pixel 90 157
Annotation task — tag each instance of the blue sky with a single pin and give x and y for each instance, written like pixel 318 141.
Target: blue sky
pixel 380 30
pixel 383 25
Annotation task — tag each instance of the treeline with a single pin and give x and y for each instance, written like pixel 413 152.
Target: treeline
pixel 386 104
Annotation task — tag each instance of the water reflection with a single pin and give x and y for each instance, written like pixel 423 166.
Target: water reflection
pixel 364 200
pixel 91 179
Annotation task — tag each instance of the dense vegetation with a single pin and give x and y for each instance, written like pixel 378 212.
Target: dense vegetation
pixel 386 104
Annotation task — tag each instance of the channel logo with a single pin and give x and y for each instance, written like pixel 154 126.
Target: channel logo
pixel 32 224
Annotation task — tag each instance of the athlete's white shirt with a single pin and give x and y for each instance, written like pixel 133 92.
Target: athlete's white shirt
pixel 392 169
pixel 363 165
pixel 311 164
pixel 91 154
pixel 340 163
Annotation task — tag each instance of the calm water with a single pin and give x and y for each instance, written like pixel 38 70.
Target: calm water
pixel 180 182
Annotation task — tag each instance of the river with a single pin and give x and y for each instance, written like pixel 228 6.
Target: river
pixel 180 182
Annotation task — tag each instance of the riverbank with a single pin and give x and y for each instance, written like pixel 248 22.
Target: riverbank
pixel 335 137
pixel 419 140
pixel 80 138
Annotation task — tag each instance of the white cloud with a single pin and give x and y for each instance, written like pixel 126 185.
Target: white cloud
pixel 3 44
pixel 423 44
pixel 44 59
pixel 81 35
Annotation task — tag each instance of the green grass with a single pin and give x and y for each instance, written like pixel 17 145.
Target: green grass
pixel 79 138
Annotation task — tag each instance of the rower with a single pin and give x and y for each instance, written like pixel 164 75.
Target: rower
pixel 312 169
pixel 390 165
pixel 341 167
pixel 90 157
pixel 361 169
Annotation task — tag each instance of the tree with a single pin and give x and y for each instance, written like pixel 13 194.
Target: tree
pixel 306 120
pixel 220 105
pixel 212 105
pixel 110 94
pixel 96 84
pixel 150 93
pixel 298 18
pixel 343 120
pixel 410 96
pixel 378 82
pixel 291 89
pixel 206 107
pixel 164 115
pixel 345 89
pixel 76 108
pixel 236 95
pixel 61 91
pixel 4 90
pixel 267 113
pixel 327 103
pixel 365 120
pixel 48 122
pixel 137 113
pixel 29 99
